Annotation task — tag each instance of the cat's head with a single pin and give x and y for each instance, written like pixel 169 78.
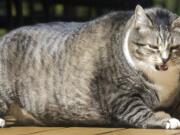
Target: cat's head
pixel 153 39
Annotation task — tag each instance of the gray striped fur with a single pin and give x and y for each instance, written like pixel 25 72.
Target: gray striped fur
pixel 75 74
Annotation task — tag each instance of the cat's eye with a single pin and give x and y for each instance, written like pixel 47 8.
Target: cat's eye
pixel 139 44
pixel 175 48
pixel 153 47
pixel 148 45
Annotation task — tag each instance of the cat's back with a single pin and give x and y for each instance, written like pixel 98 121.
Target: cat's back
pixel 44 30
pixel 33 41
pixel 59 27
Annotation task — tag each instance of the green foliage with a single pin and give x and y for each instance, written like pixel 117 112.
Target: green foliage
pixel 79 11
pixel 173 5
pixel 2 31
pixel 59 8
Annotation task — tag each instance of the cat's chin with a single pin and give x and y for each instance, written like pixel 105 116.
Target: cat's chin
pixel 162 67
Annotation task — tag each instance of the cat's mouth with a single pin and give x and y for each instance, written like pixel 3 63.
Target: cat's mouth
pixel 162 67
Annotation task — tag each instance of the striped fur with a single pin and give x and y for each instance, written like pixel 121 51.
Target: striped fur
pixel 77 74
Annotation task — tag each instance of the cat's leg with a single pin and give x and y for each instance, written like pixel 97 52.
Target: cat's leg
pixel 21 117
pixel 9 121
pixel 5 120
pixel 135 113
pixel 164 120
pixel 15 115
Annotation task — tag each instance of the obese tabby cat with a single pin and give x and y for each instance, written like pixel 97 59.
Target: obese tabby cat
pixel 121 69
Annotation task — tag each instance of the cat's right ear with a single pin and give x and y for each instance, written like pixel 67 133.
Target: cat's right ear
pixel 176 24
pixel 141 19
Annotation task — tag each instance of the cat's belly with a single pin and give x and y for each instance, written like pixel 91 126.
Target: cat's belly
pixel 69 110
pixel 71 115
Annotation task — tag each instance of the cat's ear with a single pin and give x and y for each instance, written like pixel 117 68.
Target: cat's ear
pixel 141 19
pixel 176 24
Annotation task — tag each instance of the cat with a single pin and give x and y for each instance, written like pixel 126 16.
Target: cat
pixel 121 69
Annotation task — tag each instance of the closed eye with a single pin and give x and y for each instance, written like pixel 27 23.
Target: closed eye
pixel 150 46
pixel 153 47
pixel 139 44
pixel 177 47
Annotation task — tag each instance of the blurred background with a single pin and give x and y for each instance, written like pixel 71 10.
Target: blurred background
pixel 16 13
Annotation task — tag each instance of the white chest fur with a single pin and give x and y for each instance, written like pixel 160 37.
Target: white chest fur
pixel 165 82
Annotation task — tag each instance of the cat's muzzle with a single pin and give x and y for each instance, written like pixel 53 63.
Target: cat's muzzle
pixel 162 67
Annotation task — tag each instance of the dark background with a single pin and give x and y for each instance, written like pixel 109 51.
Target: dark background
pixel 16 13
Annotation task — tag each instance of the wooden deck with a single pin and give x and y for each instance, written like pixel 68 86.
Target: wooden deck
pixel 84 131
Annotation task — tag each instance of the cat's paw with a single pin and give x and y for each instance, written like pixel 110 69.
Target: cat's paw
pixel 2 123
pixel 173 123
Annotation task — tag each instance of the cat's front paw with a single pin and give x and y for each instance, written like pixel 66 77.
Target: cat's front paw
pixel 173 123
pixel 2 123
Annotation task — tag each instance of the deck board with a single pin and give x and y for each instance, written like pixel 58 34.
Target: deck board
pixel 84 131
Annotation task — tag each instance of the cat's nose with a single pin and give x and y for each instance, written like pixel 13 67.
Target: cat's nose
pixel 165 56
pixel 165 60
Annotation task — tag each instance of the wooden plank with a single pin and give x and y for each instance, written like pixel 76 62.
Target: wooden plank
pixel 25 130
pixel 147 132
pixel 84 131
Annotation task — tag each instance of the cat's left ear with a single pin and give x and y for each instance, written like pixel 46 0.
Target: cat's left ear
pixel 176 24
pixel 141 19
